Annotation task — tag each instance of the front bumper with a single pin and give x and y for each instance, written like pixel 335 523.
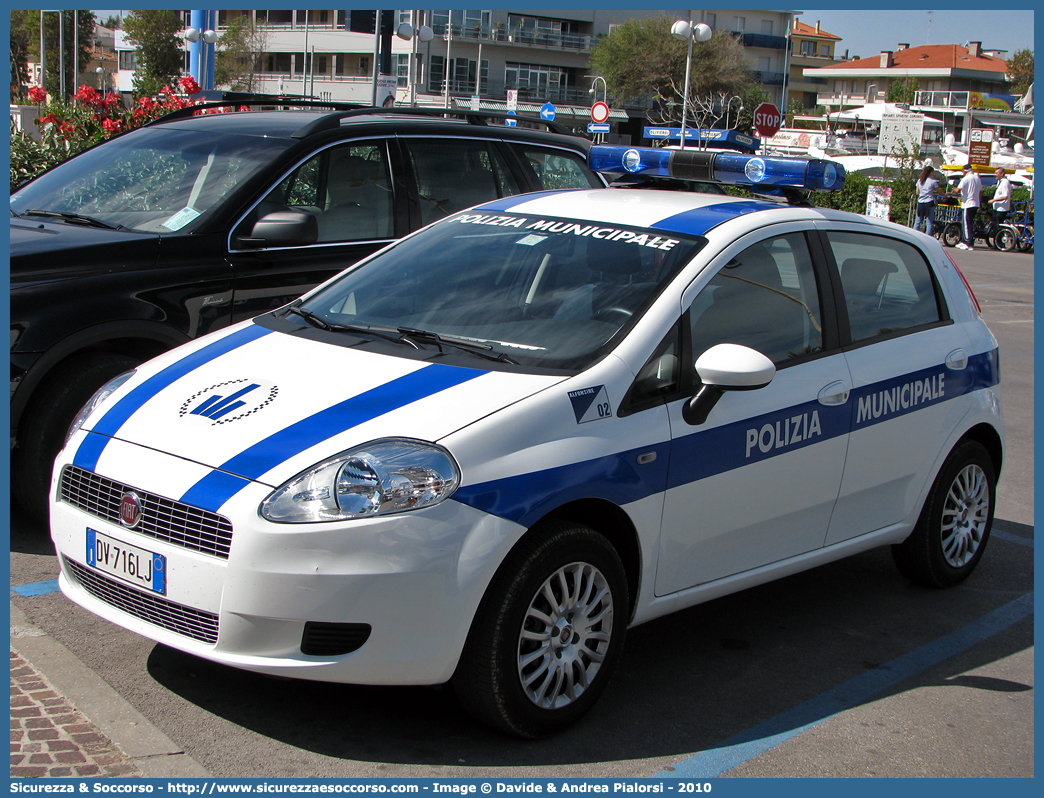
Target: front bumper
pixel 415 578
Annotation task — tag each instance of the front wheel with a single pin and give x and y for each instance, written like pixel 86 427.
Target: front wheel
pixel 955 522
pixel 951 234
pixel 1006 239
pixel 548 634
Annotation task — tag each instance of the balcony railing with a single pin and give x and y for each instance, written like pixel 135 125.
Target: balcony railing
pixel 493 90
pixel 768 78
pixel 522 36
pixel 763 40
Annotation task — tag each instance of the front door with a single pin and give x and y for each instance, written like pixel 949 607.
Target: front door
pixel 757 481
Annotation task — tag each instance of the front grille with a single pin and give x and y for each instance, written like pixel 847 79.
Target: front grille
pixel 164 519
pixel 331 639
pixel 154 609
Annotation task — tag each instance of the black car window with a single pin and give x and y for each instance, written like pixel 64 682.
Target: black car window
pixel 887 284
pixel 454 174
pixel 559 169
pixel 346 188
pixel 765 298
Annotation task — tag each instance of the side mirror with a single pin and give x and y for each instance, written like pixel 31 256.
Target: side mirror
pixel 726 367
pixel 283 229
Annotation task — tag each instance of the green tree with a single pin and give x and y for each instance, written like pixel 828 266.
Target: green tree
pixel 157 44
pixel 903 90
pixel 19 62
pixel 1020 71
pixel 28 22
pixel 237 64
pixel 644 65
pixel 113 22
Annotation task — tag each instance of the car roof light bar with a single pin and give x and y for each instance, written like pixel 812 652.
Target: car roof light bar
pixel 757 171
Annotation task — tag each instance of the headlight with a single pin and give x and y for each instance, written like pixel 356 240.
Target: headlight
pixel 97 400
pixel 387 476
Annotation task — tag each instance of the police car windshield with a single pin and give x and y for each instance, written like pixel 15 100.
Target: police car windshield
pixel 547 292
pixel 158 180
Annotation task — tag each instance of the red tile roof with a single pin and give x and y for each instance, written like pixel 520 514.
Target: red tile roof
pixel 801 29
pixel 931 56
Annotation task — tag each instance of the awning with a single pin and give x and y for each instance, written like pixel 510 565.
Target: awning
pixel 1002 119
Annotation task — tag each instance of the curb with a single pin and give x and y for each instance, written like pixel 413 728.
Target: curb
pixel 149 749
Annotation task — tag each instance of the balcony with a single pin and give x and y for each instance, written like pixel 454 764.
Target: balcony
pixel 768 78
pixel 527 37
pixel 493 90
pixel 762 40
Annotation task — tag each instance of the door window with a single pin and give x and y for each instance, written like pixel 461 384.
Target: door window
pixel 559 169
pixel 346 188
pixel 888 286
pixel 765 298
pixel 455 174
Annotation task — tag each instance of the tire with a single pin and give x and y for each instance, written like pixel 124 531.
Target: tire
pixel 43 428
pixel 529 668
pixel 1006 239
pixel 951 234
pixel 955 522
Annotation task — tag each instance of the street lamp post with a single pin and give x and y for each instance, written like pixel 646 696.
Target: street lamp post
pixel 605 89
pixel 688 32
pixel 409 32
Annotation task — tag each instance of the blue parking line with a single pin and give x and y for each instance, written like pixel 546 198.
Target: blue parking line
pixel 996 533
pixel 746 745
pixel 37 588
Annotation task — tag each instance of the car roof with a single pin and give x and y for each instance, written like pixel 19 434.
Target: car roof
pixel 305 123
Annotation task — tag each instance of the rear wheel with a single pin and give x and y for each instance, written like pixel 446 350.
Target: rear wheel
pixel 955 523
pixel 951 234
pixel 548 634
pixel 46 422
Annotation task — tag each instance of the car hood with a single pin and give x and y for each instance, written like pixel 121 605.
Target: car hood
pixel 259 405
pixel 38 246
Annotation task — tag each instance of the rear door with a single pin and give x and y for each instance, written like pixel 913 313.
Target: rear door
pixel 906 358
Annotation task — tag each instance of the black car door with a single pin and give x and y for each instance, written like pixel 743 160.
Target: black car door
pixel 358 204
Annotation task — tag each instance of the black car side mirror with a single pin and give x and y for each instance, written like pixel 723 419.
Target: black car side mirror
pixel 282 229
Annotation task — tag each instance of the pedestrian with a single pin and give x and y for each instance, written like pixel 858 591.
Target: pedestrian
pixel 970 189
pixel 927 187
pixel 1001 200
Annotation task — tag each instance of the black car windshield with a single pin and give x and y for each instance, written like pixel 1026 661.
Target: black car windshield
pixel 541 292
pixel 154 179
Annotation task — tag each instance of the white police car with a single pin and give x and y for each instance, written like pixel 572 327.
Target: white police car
pixel 485 452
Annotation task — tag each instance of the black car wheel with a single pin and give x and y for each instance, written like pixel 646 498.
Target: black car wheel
pixel 46 422
pixel 955 522
pixel 548 634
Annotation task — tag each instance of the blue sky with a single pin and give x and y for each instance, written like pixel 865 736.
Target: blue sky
pixel 868 32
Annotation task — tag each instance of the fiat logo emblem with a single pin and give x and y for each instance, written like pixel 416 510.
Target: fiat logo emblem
pixel 130 510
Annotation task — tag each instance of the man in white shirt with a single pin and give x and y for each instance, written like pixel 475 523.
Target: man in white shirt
pixel 1001 200
pixel 971 193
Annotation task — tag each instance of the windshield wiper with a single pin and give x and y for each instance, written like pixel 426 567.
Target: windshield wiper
pixel 322 324
pixel 474 347
pixel 74 218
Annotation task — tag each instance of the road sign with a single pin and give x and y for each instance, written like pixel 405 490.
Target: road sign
pixel 512 99
pixel 511 121
pixel 596 128
pixel 547 112
pixel 767 120
pixel 600 112
pixel 476 102
pixel 980 146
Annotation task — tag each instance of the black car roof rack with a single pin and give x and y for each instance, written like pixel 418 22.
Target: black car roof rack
pixel 332 121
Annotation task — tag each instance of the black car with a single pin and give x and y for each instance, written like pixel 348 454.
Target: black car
pixel 194 222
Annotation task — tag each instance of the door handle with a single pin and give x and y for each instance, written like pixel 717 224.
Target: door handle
pixel 957 360
pixel 836 393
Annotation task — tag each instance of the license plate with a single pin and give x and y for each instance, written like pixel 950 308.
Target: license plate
pixel 139 567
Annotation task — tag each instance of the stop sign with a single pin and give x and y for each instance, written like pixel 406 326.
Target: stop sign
pixel 767 120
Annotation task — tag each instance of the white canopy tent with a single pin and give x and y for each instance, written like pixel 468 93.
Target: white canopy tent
pixel 875 112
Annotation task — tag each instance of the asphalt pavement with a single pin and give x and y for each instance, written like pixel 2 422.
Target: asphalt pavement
pixel 845 670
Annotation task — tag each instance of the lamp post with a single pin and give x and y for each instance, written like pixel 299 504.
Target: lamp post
pixel 209 37
pixel 410 33
pixel 688 32
pixel 593 93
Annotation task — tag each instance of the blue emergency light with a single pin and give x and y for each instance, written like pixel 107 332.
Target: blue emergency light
pixel 720 167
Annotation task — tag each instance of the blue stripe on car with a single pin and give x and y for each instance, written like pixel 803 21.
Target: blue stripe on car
pixel 108 425
pixel 232 476
pixel 527 497
pixel 698 221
